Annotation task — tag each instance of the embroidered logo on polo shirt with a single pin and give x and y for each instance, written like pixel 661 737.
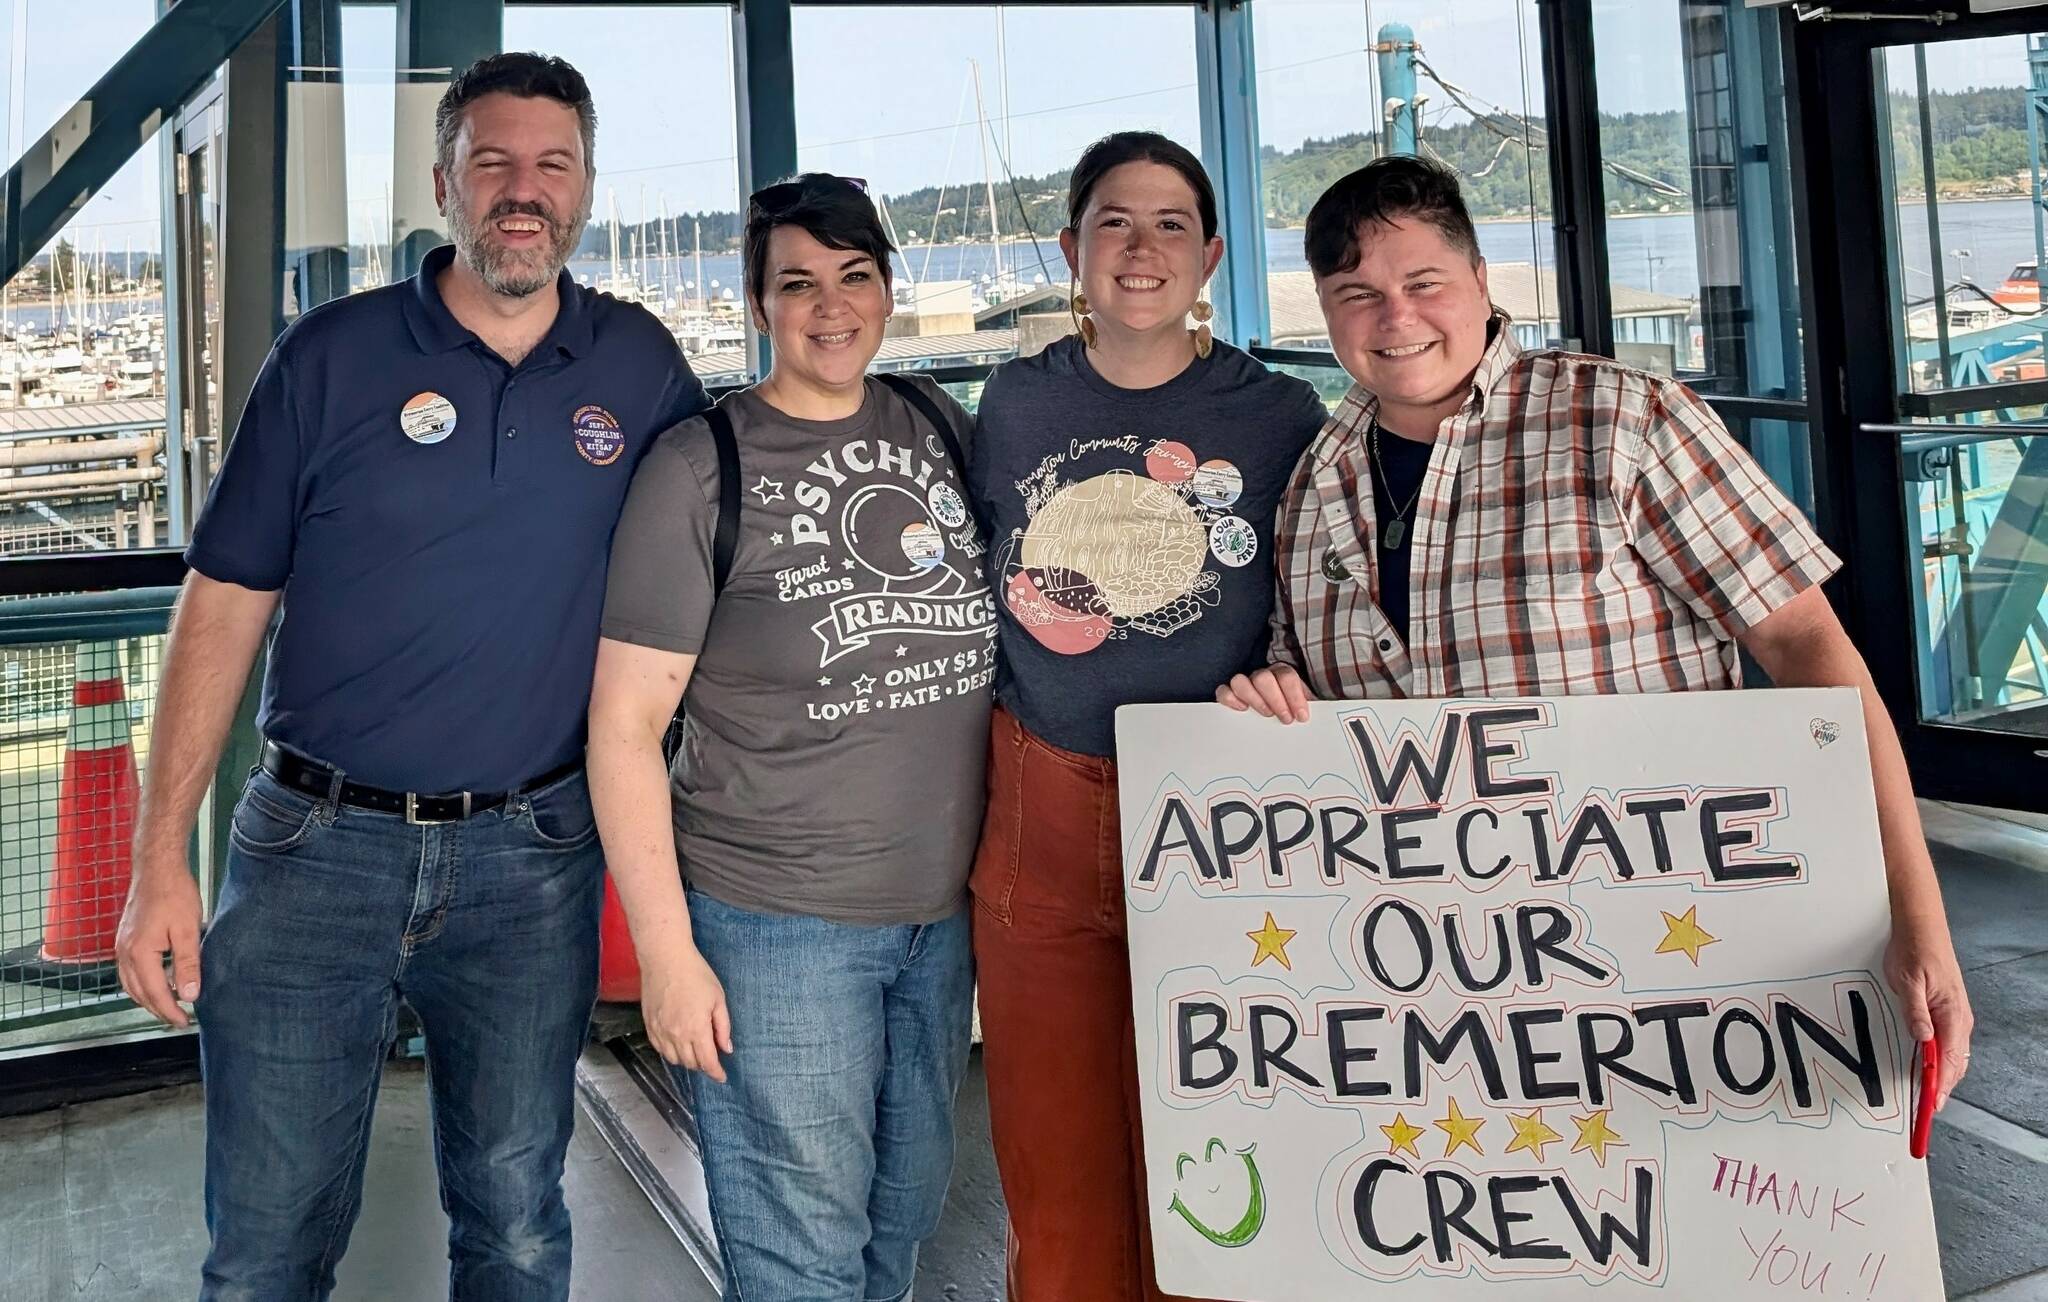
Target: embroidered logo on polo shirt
pixel 598 437
pixel 427 418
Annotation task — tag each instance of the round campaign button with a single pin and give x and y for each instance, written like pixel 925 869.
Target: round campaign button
pixel 427 418
pixel 1334 568
pixel 923 544
pixel 947 506
pixel 1218 483
pixel 1233 541
pixel 598 437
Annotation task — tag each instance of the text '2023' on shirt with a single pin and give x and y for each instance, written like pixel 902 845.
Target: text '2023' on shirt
pixel 1131 530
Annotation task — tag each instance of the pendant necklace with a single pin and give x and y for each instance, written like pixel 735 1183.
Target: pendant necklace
pixel 1396 531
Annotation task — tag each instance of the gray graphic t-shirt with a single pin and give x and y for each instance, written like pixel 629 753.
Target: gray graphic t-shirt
pixel 836 725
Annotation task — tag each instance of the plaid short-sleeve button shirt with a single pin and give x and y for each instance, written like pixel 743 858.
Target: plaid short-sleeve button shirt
pixel 1583 527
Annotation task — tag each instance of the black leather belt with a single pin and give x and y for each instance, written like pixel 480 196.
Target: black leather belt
pixel 317 779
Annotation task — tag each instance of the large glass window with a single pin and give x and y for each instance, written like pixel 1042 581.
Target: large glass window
pixel 1459 81
pixel 665 228
pixel 82 325
pixel 1963 147
pixel 1979 553
pixel 964 122
pixel 1701 264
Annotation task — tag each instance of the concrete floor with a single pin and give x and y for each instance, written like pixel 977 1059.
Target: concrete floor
pixel 102 1200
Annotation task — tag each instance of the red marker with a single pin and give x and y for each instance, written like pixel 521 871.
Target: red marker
pixel 1930 1084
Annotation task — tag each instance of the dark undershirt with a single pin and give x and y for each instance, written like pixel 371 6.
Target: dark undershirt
pixel 1404 462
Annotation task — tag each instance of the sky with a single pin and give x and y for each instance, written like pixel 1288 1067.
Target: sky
pixel 887 93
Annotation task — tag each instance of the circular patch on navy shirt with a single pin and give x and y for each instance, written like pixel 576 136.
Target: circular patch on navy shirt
pixel 598 436
pixel 427 418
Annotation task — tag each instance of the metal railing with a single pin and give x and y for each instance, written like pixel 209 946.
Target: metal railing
pixel 81 649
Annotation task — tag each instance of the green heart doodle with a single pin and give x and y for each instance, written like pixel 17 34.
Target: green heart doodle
pixel 1254 1218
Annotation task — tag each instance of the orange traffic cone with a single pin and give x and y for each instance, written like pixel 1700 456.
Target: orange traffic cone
pixel 618 967
pixel 95 825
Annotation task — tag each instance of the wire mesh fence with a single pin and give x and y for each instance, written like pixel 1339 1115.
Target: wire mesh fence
pixel 75 722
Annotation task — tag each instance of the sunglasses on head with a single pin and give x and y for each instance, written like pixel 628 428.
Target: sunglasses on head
pixel 785 194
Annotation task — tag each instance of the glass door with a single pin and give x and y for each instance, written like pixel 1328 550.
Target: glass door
pixel 1941 465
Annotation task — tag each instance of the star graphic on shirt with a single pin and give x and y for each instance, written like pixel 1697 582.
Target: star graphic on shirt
pixel 769 490
pixel 825 681
pixel 901 651
pixel 864 684
pixel 775 539
pixel 846 564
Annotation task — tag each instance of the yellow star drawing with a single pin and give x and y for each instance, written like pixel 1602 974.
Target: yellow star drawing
pixel 1462 1130
pixel 1684 935
pixel 1531 1134
pixel 1402 1137
pixel 1272 943
pixel 1594 1135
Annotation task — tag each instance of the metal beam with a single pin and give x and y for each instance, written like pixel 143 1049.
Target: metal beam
pixel 1578 198
pixel 1228 92
pixel 764 88
pixel 60 173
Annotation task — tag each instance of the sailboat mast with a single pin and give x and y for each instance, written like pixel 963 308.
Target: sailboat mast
pixel 988 176
pixel 611 209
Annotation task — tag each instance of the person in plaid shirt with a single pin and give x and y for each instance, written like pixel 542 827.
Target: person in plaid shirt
pixel 1479 520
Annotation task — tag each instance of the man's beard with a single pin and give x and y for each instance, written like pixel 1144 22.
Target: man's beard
pixel 514 273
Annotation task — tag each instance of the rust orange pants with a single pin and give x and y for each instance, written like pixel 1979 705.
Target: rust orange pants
pixel 1057 1040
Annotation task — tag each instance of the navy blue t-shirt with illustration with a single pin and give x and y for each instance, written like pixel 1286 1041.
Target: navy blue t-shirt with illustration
pixel 1131 530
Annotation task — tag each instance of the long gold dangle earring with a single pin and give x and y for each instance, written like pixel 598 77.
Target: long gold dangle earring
pixel 1205 339
pixel 1077 308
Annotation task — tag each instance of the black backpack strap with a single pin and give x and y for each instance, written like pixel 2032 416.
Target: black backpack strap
pixel 726 539
pixel 908 390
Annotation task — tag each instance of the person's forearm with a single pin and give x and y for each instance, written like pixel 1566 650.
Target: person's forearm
pixel 629 790
pixel 214 636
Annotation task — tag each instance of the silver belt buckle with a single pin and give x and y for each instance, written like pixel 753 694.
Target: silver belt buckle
pixel 412 814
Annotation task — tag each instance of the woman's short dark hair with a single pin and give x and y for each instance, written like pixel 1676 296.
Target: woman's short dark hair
pixel 1394 188
pixel 837 212
pixel 1113 151
pixel 529 76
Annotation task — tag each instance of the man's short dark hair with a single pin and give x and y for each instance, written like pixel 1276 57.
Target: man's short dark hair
pixel 837 212
pixel 527 75
pixel 1398 187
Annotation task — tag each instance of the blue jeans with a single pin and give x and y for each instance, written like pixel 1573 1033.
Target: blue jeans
pixel 829 1147
pixel 330 915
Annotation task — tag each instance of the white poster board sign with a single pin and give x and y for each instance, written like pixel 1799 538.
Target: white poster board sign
pixel 1575 998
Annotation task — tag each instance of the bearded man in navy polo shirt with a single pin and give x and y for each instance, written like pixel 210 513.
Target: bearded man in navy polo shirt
pixel 424 483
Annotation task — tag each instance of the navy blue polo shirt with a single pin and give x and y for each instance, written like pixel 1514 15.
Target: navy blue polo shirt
pixel 439 521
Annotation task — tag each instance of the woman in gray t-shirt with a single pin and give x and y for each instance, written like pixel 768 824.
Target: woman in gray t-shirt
pixel 808 969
